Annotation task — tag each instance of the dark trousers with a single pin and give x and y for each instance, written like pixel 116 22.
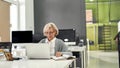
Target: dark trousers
pixel 119 53
pixel 119 57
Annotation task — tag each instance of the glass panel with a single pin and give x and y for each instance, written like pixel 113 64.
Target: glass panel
pixel 13 17
pixel 22 14
pixel 17 16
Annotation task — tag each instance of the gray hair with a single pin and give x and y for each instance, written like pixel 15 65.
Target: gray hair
pixel 51 25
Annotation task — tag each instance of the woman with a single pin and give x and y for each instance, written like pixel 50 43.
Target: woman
pixel 57 46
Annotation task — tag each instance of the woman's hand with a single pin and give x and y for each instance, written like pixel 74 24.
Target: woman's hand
pixel 58 54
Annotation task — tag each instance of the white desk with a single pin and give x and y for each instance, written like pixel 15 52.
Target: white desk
pixel 83 54
pixel 82 50
pixel 36 64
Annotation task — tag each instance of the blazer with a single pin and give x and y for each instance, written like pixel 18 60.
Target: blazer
pixel 59 45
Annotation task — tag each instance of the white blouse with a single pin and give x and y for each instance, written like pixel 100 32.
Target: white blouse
pixel 52 46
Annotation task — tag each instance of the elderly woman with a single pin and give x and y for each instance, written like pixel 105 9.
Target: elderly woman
pixel 57 46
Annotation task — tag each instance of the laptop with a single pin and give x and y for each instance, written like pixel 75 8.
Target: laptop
pixel 38 51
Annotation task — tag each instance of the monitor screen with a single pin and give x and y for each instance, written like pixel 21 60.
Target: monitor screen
pixel 21 36
pixel 6 46
pixel 67 35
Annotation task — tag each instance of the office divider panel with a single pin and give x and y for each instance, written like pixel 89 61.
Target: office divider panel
pixel 66 14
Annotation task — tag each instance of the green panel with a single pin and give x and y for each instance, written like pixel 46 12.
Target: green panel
pixel 115 11
pixel 100 1
pixel 101 16
pixel 113 33
pixel 97 0
pixel 103 12
pixel 92 35
pixel 94 11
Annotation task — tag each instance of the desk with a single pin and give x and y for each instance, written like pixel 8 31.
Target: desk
pixel 83 54
pixel 82 51
pixel 36 64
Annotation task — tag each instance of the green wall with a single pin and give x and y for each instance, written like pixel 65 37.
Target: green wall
pixel 104 12
pixel 93 33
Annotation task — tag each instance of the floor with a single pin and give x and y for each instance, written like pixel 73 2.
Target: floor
pixel 102 59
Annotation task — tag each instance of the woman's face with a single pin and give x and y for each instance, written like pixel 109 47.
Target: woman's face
pixel 50 33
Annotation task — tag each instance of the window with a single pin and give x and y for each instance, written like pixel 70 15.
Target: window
pixel 13 17
pixel 17 15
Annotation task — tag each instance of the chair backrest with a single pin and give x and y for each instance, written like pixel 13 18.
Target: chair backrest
pixel 6 45
pixel 37 38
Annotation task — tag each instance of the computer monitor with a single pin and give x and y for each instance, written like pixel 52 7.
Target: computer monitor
pixel 67 35
pixel 6 46
pixel 22 36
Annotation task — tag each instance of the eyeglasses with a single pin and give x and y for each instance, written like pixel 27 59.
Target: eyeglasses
pixel 49 32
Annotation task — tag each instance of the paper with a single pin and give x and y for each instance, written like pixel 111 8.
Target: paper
pixel 64 57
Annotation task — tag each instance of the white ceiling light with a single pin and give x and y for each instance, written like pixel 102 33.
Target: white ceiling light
pixel 91 0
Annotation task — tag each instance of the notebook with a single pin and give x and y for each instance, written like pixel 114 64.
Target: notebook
pixel 38 51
